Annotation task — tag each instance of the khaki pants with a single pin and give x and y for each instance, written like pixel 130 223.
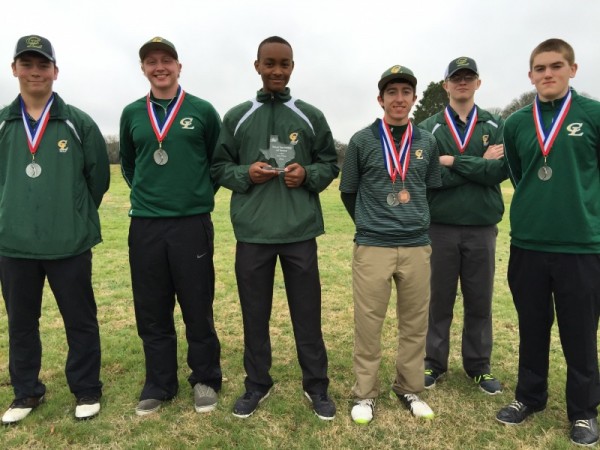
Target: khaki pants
pixel 373 269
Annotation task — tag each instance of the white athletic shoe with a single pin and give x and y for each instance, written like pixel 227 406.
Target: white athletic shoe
pixel 362 411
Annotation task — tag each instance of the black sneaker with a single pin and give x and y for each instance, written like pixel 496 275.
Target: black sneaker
pixel 247 403
pixel 515 413
pixel 20 408
pixel 322 405
pixel 431 377
pixel 488 384
pixel 585 432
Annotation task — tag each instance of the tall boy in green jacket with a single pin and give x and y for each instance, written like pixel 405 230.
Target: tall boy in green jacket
pixel 552 149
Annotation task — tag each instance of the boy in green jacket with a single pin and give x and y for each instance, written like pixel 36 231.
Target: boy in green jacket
pixel 53 174
pixel 552 151
pixel 276 153
pixel 464 214
pixel 167 140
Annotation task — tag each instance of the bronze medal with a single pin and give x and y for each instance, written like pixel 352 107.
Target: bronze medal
pixel 33 170
pixel 545 173
pixel 161 157
pixel 404 196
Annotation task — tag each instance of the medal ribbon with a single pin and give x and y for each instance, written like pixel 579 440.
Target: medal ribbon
pixel 161 132
pixel 35 133
pixel 461 140
pixel 396 162
pixel 547 139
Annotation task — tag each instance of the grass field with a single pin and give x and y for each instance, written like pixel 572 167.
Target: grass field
pixel 464 415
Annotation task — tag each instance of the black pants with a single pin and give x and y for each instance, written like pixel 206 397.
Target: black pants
pixel 70 280
pixel 255 272
pixel 542 283
pixel 173 258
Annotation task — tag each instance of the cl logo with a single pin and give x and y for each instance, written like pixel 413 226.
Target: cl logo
pixel 574 129
pixel 186 123
pixel 63 146
pixel 419 154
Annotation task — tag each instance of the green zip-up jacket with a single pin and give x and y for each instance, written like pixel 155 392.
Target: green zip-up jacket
pixel 55 215
pixel 562 214
pixel 470 193
pixel 272 213
pixel 182 187
pixel 365 174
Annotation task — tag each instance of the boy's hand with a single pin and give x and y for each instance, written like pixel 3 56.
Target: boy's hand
pixel 261 172
pixel 294 175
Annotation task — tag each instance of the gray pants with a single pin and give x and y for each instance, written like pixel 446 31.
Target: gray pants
pixel 465 253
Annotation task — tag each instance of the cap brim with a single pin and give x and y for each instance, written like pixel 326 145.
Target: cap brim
pixel 397 76
pixel 150 46
pixel 461 68
pixel 33 50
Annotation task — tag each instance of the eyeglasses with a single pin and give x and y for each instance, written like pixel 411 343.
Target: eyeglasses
pixel 466 78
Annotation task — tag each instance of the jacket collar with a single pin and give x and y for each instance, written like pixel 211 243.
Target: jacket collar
pixel 264 97
pixel 57 110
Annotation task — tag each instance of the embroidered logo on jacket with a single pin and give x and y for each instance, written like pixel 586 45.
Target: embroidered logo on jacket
pixel 486 139
pixel 63 145
pixel 186 123
pixel 294 138
pixel 419 154
pixel 574 129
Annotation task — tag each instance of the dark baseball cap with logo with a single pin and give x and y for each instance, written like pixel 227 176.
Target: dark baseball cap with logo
pixel 36 44
pixel 460 63
pixel 158 43
pixel 397 72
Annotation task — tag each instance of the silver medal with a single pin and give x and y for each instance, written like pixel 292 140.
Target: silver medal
pixel 161 157
pixel 392 199
pixel 545 173
pixel 33 170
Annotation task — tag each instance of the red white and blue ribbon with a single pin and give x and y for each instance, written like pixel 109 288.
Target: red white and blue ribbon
pixel 546 138
pixel 35 132
pixel 162 131
pixel 461 140
pixel 396 161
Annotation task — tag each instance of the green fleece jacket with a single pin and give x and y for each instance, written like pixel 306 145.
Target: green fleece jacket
pixel 561 214
pixel 182 187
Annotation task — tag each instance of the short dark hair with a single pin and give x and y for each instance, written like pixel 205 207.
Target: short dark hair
pixel 273 40
pixel 554 45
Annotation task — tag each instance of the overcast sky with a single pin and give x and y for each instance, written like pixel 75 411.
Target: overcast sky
pixel 340 48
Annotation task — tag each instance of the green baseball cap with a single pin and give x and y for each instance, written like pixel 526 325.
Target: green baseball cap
pixel 36 44
pixel 397 72
pixel 460 63
pixel 158 43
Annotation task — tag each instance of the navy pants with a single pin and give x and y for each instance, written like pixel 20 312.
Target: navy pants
pixel 255 272
pixel 70 280
pixel 172 258
pixel 569 284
